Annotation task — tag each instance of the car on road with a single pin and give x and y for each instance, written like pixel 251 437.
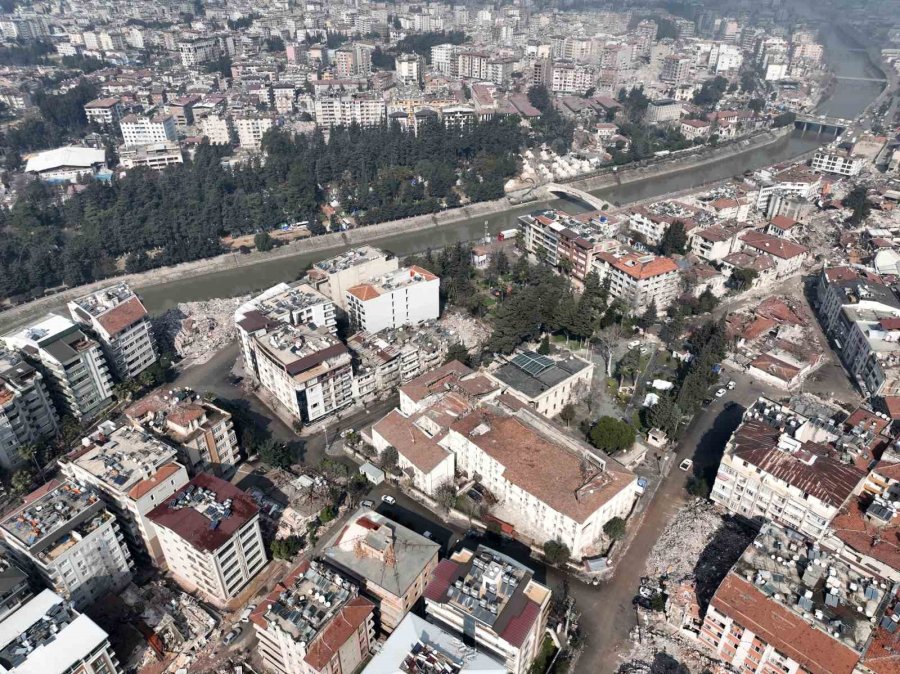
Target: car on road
pixel 233 634
pixel 730 385
pixel 367 503
pixel 245 614
pixel 428 535
pixel 686 465
pixel 707 402
pixel 387 498
pixel 720 393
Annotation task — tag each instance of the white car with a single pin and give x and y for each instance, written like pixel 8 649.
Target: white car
pixel 720 393
pixel 390 500
pixel 233 634
pixel 730 385
pixel 686 465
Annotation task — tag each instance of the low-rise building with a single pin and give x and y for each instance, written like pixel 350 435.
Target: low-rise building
pixel 789 606
pixel 417 644
pixel 782 465
pixel 787 255
pixel 27 415
pixel 662 111
pixel 335 276
pixel 407 296
pixel 546 384
pixel 118 318
pixel 493 600
pixel 66 164
pixel 103 111
pixel 74 367
pixel 390 563
pixel 210 538
pixel 314 622
pixel 202 432
pixel 72 542
pixel 133 473
pixel 156 156
pixel 47 635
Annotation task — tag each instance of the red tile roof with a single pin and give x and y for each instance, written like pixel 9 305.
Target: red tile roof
pixel 364 292
pixel 194 527
pixel 775 367
pixel 872 538
pixel 411 443
pixel 519 626
pixel 773 245
pixel 640 266
pixel 441 579
pixel 144 486
pixel 342 627
pixel 122 316
pixel 783 222
pixel 783 629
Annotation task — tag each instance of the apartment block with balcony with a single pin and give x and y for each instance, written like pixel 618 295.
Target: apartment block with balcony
pixel 210 538
pixel 639 280
pixel 407 296
pixel 133 472
pixel 65 534
pixel 786 466
pixel 103 111
pixel 314 622
pixel 492 600
pixel 202 432
pixel 119 319
pixel 15 588
pixel 73 365
pixel 27 415
pixel 390 563
pixel 140 130
pixel 837 161
pixel 49 636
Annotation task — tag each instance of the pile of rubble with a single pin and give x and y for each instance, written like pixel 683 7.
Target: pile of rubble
pixel 196 330
pixel 698 543
pixel 460 327
pixel 657 649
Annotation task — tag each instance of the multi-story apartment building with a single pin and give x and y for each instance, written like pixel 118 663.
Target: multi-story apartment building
pixel 314 622
pixel 118 318
pixel 15 588
pixel 133 473
pixel 363 109
pixel 408 296
pixel 71 541
pixel 390 563
pixel 837 161
pixel 676 68
pixel 639 280
pixel 782 465
pixel 156 156
pixel 202 432
pixel 219 129
pixel 250 130
pixel 73 365
pixel 789 606
pixel 142 130
pixel 210 538
pixel 794 182
pixel 570 504
pixel 473 65
pixel 409 68
pixel 571 79
pixel 492 600
pixel 27 415
pixel 444 59
pixel 334 276
pixel 47 635
pixel 103 111
pixel 197 51
pixel 353 60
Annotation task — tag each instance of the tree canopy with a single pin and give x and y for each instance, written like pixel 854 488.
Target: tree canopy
pixel 612 435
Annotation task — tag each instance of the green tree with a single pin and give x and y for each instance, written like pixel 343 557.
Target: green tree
pixel 698 486
pixel 544 347
pixel 31 453
pixel 21 482
pixel 858 202
pixel 459 352
pixel 445 495
pixel 674 239
pixel 390 457
pixel 327 514
pixel 567 413
pixel 539 97
pixel 630 365
pixel 615 528
pixel 784 119
pixel 611 435
pixel 664 415
pixel 650 316
pixel 275 453
pixel 557 553
pixel 741 279
pixel 286 548
pixel 757 105
pixel 263 242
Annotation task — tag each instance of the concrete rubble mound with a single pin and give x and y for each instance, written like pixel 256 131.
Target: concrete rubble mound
pixel 196 330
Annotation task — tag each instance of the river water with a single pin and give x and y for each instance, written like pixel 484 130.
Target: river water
pixel 847 100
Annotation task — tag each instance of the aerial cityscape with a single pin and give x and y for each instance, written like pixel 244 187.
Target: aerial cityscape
pixel 525 337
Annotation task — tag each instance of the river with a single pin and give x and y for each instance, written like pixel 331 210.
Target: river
pixel 847 100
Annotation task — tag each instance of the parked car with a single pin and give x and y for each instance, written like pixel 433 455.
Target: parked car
pixel 730 385
pixel 233 634
pixel 686 465
pixel 368 503
pixel 721 392
pixel 428 535
pixel 390 500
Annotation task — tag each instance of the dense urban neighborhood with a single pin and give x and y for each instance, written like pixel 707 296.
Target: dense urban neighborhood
pixel 527 337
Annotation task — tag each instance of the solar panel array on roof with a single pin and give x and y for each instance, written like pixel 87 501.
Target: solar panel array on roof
pixel 532 363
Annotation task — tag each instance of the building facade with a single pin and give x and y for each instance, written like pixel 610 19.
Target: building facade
pixel 27 414
pixel 408 296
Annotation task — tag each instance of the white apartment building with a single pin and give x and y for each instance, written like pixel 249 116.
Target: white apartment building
pixel 474 65
pixel 365 110
pixel 148 130
pixel 569 504
pixel 133 472
pixel 493 600
pixel 444 59
pixel 218 129
pixel 47 635
pixel 408 296
pixel 202 432
pixel 334 276
pixel 156 156
pixel 27 415
pixel 118 318
pixel 65 534
pixel 314 622
pixel 250 130
pixel 571 79
pixel 74 367
pixel 103 111
pixel 639 280
pixel 779 465
pixel 409 68
pixel 210 538
pixel 840 162
pixel 199 50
